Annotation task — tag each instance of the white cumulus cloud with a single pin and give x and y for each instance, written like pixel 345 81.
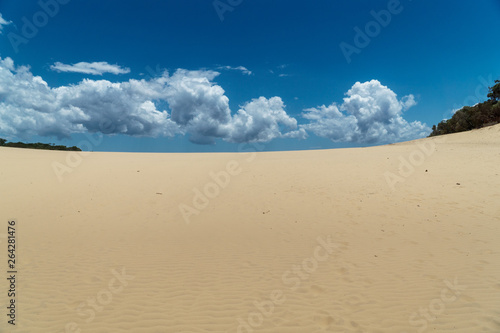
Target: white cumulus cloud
pixel 186 103
pixel 94 68
pixel 3 22
pixel 191 103
pixel 263 120
pixel 201 107
pixel 370 113
pixel 28 106
pixel 242 69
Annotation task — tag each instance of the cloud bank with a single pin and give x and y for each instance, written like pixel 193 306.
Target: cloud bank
pixel 370 113
pixel 94 68
pixel 190 103
pixel 186 103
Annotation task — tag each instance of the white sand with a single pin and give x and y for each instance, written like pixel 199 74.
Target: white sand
pixel 423 256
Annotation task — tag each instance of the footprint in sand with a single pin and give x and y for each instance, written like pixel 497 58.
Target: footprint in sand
pixel 354 301
pixel 316 290
pixel 468 298
pixel 343 271
pixel 324 319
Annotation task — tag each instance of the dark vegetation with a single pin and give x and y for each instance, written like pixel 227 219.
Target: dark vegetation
pixel 37 145
pixel 471 117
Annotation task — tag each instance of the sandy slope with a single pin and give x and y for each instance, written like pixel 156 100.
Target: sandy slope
pixel 107 249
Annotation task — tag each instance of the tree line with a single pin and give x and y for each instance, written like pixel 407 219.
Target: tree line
pixel 37 145
pixel 472 117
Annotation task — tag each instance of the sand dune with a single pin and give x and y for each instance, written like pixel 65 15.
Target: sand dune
pixel 397 238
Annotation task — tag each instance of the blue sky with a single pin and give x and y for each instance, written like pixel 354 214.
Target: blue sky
pixel 189 76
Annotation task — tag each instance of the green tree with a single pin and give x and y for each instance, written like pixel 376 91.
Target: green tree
pixel 2 142
pixel 470 117
pixel 494 92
